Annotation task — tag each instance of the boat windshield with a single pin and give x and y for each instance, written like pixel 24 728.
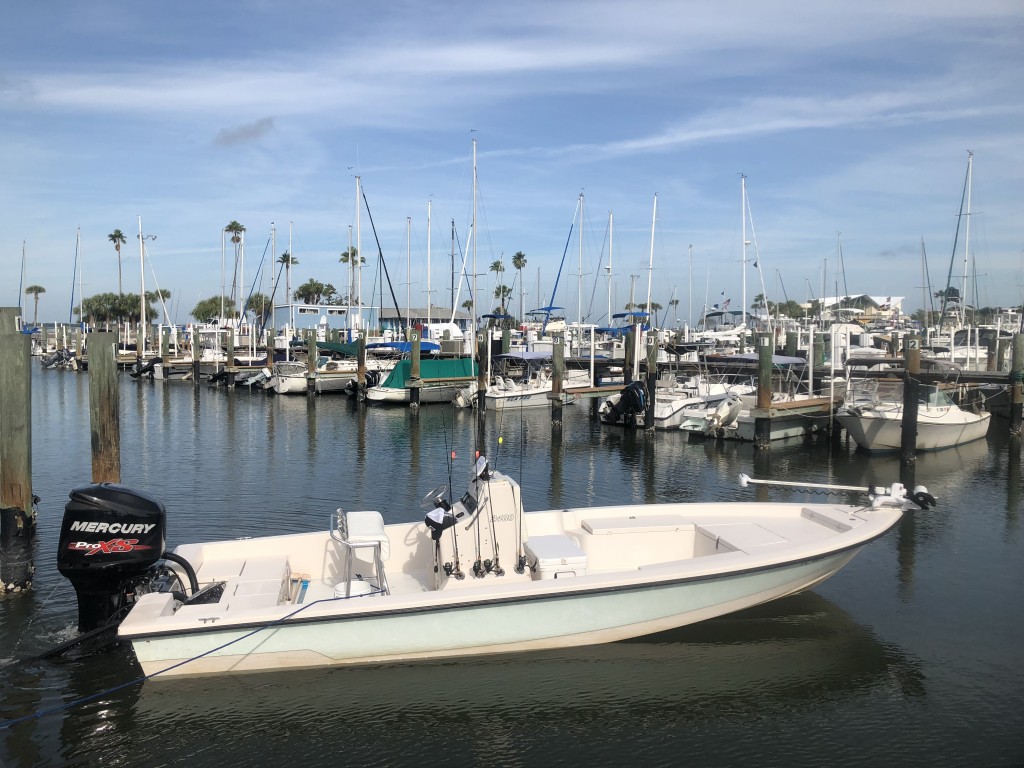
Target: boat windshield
pixel 933 397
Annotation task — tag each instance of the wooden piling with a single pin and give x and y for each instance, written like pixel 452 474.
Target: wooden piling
pixel 792 340
pixel 557 378
pixel 104 410
pixel 1016 385
pixel 415 383
pixel 627 360
pixel 763 423
pixel 311 362
pixel 912 367
pixel 193 343
pixel 652 379
pixel 361 366
pixel 17 507
pixel 483 351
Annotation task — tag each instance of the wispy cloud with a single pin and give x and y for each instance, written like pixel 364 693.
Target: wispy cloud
pixel 242 134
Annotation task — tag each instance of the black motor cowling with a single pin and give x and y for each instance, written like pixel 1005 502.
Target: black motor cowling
pixel 110 535
pixel 632 403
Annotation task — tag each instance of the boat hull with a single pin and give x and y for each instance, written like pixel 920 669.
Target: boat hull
pixel 495 624
pixel 884 432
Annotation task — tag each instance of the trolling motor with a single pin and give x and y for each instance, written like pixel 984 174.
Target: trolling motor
pixel 111 540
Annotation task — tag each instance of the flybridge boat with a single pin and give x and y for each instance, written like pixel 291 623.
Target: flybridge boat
pixel 477 576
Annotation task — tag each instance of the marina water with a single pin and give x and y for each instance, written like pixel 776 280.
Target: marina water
pixel 911 655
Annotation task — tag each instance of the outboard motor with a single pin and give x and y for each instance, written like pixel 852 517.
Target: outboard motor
pixel 110 536
pixel 632 403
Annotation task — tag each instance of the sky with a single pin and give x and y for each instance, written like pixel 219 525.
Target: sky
pixel 848 123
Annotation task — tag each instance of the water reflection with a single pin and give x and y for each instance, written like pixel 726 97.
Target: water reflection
pixel 798 652
pixel 240 464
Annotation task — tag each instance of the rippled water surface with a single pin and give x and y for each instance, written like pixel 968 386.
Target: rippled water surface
pixel 909 656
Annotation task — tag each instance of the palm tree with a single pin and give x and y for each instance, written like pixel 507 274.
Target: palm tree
pixel 235 230
pixel 519 261
pixel 501 293
pixel 310 292
pixel 118 239
pixel 35 290
pixel 288 260
pixel 350 256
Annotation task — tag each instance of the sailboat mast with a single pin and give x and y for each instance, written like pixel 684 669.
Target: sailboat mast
pixel 21 284
pixel 474 236
pixel 81 278
pixel 359 254
pixel 967 238
pixel 408 273
pixel 428 266
pixel 743 257
pixel 842 268
pixel 140 346
pixel 288 286
pixel 611 246
pixel 650 262
pixel 579 277
pixel 689 300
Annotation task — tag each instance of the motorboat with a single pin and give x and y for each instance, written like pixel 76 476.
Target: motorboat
pixel 521 380
pixel 477 575
pixel 440 381
pixel 674 402
pixel 876 422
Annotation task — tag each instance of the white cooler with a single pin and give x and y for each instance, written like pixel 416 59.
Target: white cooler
pixel 556 557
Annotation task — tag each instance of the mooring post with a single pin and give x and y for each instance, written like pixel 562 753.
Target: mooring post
pixel 1016 384
pixel 627 359
pixel 820 353
pixel 506 340
pixel 79 343
pixel 912 367
pixel 763 421
pixel 652 379
pixel 557 378
pixel 361 367
pixel 310 362
pixel 792 338
pixel 482 356
pixel 415 383
pixel 104 410
pixel 17 503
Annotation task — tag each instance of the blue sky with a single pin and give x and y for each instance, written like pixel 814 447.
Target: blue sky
pixel 851 118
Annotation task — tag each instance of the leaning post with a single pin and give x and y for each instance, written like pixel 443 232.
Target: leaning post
pixel 104 410
pixel 17 503
pixel 912 367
